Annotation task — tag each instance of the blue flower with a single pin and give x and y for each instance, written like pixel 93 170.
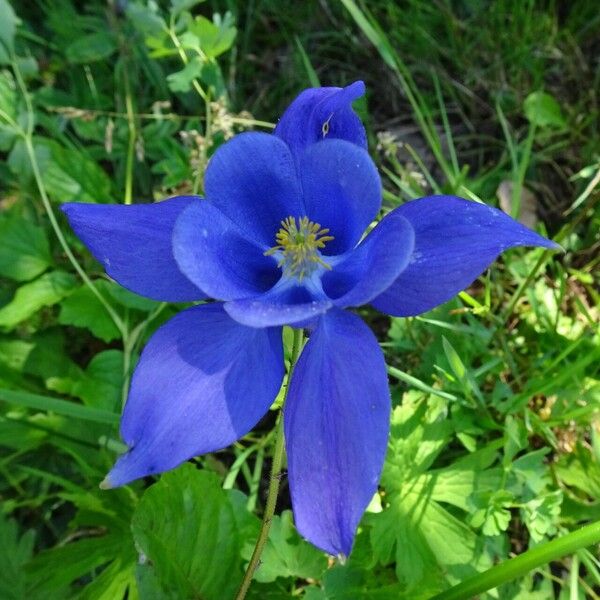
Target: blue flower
pixel 279 240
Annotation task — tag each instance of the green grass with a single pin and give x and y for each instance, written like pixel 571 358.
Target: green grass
pixel 495 444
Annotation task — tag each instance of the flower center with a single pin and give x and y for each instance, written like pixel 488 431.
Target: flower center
pixel 299 242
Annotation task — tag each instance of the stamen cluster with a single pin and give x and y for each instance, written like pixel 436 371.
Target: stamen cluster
pixel 299 241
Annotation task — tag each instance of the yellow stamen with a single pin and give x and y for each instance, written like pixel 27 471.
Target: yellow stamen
pixel 299 241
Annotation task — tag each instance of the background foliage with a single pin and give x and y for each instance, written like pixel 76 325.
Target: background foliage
pixel 495 442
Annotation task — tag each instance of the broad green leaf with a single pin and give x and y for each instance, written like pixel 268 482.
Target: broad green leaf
pixel 286 554
pixel 99 386
pixel 69 175
pixel 111 548
pixel 543 110
pixel 116 581
pixel 15 552
pixel 55 569
pixel 25 249
pixel 83 309
pixel 8 29
pixel 186 528
pixel 427 541
pixel 92 47
pixel 29 298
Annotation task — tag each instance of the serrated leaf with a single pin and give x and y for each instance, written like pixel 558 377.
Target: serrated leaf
pixel 29 298
pixel 83 309
pixel 427 541
pixel 15 552
pixel 185 526
pixel 181 81
pixel 541 515
pixel 286 554
pixel 69 175
pixel 25 249
pixel 109 554
pixel 213 38
pixel 55 569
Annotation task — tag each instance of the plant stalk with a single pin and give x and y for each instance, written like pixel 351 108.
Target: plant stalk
pixel 278 454
pixel 519 566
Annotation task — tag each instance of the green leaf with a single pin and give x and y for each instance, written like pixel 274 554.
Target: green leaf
pixel 178 6
pixel 430 544
pixel 25 249
pixel 8 94
pixel 181 81
pixel 146 19
pixel 8 29
pixel 55 569
pixel 543 110
pixel 286 554
pixel 91 48
pixel 83 309
pixel 58 406
pixel 29 298
pixel 15 552
pixel 541 515
pixel 8 106
pixel 69 175
pixel 100 385
pixel 130 300
pixel 350 583
pixel 186 527
pixel 212 39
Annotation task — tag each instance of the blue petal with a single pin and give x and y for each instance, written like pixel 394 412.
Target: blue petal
pixel 202 382
pixel 252 180
pixel 285 304
pixel 336 427
pixel 302 124
pixel 366 271
pixel 133 243
pixel 342 191
pixel 212 251
pixel 455 241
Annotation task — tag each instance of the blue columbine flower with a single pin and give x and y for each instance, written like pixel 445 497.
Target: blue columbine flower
pixel 278 240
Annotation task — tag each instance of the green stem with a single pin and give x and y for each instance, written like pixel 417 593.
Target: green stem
pixel 524 563
pixel 61 238
pixel 131 140
pixel 278 454
pixel 28 139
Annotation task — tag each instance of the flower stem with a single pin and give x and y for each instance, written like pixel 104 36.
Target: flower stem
pixel 278 454
pixel 522 564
